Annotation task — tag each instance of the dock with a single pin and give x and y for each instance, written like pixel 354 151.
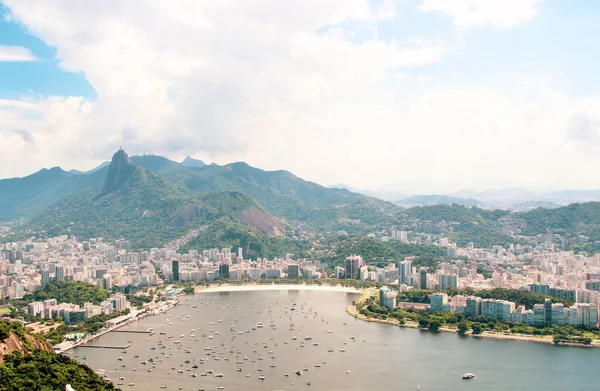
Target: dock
pixel 122 347
pixel 132 331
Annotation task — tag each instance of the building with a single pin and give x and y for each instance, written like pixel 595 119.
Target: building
pixel 438 300
pixel 448 281
pixel 423 279
pixel 175 269
pixel 352 264
pixel 60 273
pixel 548 311
pixel 293 270
pixel 387 298
pixel 405 274
pixel 45 278
pixel 224 270
pixel 539 315
pixel 473 306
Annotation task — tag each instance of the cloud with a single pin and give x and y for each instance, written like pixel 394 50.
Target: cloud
pixel 301 85
pixel 583 128
pixel 473 14
pixel 15 54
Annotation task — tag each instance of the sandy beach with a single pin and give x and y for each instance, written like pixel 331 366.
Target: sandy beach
pixel 275 287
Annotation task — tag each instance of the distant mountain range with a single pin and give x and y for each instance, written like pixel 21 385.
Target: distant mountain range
pixel 152 200
pixel 437 199
pixel 515 199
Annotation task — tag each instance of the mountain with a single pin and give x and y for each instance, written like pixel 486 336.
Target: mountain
pixel 151 200
pixel 120 173
pixel 570 220
pixel 382 194
pixel 23 197
pixel 436 199
pixel 192 163
pixel 146 208
pixel 98 168
pixel 28 362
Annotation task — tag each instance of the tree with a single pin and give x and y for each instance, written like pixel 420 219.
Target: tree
pixel 477 328
pixel 463 327
pixel 435 325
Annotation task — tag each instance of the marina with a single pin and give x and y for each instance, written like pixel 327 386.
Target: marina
pixel 318 346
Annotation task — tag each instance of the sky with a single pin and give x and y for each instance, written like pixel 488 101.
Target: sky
pixel 413 96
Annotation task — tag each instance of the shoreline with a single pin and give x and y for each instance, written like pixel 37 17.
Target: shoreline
pixel 547 340
pixel 160 310
pixel 275 287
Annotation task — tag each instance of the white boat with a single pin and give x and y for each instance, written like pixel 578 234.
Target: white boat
pixel 468 376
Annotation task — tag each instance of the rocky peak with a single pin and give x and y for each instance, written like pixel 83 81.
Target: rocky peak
pixel 120 170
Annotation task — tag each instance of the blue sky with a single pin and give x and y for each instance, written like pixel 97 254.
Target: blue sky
pixel 445 87
pixel 44 76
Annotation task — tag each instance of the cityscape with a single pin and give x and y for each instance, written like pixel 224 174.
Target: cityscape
pixel 335 195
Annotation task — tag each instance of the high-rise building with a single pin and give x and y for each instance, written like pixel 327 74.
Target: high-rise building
pixel 45 278
pixel 175 269
pixel 423 279
pixel 293 271
pixel 437 301
pixel 224 270
pixel 473 306
pixel 405 272
pixel 352 264
pixel 60 273
pixel 548 312
pixel 448 281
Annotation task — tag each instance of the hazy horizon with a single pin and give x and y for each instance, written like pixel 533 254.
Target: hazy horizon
pixel 407 96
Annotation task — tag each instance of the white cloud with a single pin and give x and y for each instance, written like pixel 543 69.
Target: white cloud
pixel 15 53
pixel 472 14
pixel 286 85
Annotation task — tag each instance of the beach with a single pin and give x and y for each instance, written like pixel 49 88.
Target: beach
pixel 276 287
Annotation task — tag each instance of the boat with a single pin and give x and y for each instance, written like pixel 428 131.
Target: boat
pixel 261 377
pixel 468 376
pixel 298 372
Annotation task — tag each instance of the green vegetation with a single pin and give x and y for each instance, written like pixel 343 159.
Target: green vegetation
pixel 75 292
pixel 526 298
pixel 478 324
pixel 460 223
pixel 570 220
pixel 255 243
pixel 41 370
pixel 378 253
pixel 5 311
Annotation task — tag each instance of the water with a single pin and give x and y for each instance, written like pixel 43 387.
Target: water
pixel 381 357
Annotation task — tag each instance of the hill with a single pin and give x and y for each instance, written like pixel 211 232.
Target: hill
pixel 28 362
pixel 436 199
pixel 254 243
pixel 570 220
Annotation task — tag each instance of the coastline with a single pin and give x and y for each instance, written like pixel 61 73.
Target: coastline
pixel 275 287
pixel 352 311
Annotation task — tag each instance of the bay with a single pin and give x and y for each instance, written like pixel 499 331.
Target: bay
pixel 376 356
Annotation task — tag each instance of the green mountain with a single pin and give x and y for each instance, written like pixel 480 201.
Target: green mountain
pixel 570 220
pixel 146 208
pixel 28 362
pixel 254 242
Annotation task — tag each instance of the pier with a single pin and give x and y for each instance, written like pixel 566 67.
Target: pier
pixel 132 331
pixel 106 346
